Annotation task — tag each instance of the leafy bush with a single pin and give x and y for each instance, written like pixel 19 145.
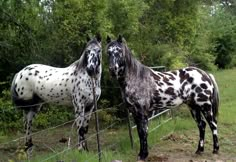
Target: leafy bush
pixel 11 119
pixel 52 115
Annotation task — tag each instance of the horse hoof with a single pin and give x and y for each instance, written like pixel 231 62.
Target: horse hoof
pixel 215 152
pixel 198 152
pixel 140 160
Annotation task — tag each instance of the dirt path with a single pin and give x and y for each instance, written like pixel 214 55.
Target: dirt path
pixel 180 148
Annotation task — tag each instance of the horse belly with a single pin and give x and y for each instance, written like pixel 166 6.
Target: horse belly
pixel 55 91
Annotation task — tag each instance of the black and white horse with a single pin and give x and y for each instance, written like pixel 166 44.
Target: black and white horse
pixel 145 90
pixel 37 84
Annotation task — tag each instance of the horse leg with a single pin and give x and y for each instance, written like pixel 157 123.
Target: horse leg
pixel 196 114
pixel 142 127
pixel 28 118
pixel 84 129
pixel 211 120
pixel 79 118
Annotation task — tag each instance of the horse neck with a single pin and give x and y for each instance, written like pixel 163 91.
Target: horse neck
pixel 134 70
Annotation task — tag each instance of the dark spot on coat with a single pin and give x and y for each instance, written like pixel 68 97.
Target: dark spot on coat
pixel 161 90
pixel 198 90
pixel 189 69
pixel 203 85
pixel 207 106
pixel 156 77
pixel 26 78
pixel 183 75
pixel 202 97
pixel 174 72
pixel 170 91
pixel 30 73
pixel 190 79
pixel 36 72
pixel 207 92
pixel 170 76
pixel 184 84
pixel 193 86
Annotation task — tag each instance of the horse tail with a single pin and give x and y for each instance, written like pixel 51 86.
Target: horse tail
pixel 216 98
pixel 14 95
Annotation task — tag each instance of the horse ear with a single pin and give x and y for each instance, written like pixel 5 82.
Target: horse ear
pixel 98 37
pixel 108 39
pixel 119 39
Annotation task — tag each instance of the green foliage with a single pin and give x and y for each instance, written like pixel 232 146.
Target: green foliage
pixel 10 119
pixel 173 33
pixel 52 115
pixel 125 15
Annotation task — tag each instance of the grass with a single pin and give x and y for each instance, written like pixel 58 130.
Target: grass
pixel 116 144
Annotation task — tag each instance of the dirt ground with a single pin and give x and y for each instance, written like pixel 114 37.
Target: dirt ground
pixel 181 148
pixel 174 147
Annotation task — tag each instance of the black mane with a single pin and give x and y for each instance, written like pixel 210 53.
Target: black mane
pixel 133 66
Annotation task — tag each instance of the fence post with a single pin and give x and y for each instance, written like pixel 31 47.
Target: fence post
pixel 130 130
pixel 97 121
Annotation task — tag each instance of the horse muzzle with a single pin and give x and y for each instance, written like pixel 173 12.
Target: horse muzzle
pixel 92 71
pixel 112 71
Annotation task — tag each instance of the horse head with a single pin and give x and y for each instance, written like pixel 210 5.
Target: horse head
pixel 93 56
pixel 116 55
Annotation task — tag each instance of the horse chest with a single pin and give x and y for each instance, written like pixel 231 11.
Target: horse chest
pixel 82 90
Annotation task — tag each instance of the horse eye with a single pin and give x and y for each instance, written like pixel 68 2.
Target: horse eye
pixel 88 51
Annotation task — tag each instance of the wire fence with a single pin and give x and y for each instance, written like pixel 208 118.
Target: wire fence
pixel 96 156
pixel 57 153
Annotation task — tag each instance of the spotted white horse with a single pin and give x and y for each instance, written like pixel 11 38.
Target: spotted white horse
pixel 37 84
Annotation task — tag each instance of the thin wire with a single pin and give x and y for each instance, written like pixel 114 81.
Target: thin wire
pixel 93 135
pixel 17 139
